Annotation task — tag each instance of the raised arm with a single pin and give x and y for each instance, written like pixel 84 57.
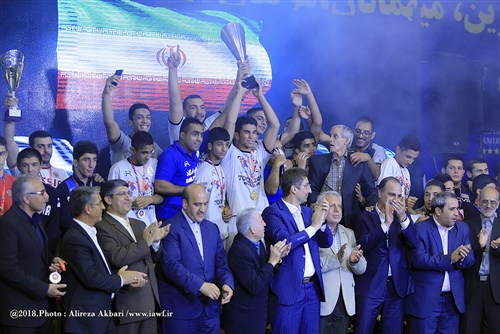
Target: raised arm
pixel 315 121
pixel 174 93
pixel 9 129
pixel 234 110
pixel 273 122
pixel 294 124
pixel 243 71
pixel 112 127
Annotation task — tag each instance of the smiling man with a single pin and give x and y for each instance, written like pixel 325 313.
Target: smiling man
pixel 335 171
pixel 364 149
pixel 177 167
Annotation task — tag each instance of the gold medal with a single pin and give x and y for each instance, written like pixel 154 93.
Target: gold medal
pixel 253 195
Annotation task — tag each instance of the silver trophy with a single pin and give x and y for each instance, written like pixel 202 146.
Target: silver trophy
pixel 233 35
pixel 12 66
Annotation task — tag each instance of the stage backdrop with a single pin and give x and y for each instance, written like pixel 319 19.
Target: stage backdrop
pixel 428 68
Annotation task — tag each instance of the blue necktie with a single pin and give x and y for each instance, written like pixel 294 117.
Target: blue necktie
pixel 34 221
pixel 257 246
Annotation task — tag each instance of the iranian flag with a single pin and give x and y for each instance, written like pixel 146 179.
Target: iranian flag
pixel 98 37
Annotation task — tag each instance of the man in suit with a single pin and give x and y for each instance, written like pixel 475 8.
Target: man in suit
pixel 299 283
pixel 25 262
pixel 338 264
pixel 91 285
pixel 442 252
pixel 384 234
pixel 335 171
pixel 193 267
pixel 482 296
pixel 127 242
pixel 248 261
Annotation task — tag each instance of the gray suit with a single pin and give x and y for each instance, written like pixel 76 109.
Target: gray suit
pixel 337 275
pixel 120 249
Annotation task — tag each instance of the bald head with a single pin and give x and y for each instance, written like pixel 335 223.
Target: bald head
pixel 195 201
pixel 489 200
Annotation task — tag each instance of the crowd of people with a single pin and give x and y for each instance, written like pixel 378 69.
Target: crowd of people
pixel 238 227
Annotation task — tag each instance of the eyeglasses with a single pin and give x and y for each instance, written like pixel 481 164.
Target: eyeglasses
pixel 122 193
pixel 41 192
pixel 98 203
pixel 365 133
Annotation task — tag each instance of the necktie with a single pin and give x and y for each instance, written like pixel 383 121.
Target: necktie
pixel 257 246
pixel 34 221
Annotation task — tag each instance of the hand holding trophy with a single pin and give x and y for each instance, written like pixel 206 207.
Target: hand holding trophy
pixel 233 35
pixel 12 66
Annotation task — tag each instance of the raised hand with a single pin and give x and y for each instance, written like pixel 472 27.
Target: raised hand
pixel 174 59
pixel 302 86
pixel 296 98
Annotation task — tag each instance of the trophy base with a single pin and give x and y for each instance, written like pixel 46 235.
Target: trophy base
pixel 13 114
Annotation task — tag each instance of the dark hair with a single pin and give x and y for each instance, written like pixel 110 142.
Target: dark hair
pixel 108 188
pixel 300 137
pixel 141 139
pixel 381 185
pixel 187 122
pixel 435 183
pixel 439 201
pixel 366 119
pixel 3 142
pixel 252 111
pixel 134 107
pixel 38 134
pixel 450 157
pixel 84 146
pixel 481 181
pixel 470 164
pixel 81 196
pixel 244 120
pixel 409 142
pixel 442 177
pixel 27 153
pixel 292 177
pixel 218 133
pixel 187 98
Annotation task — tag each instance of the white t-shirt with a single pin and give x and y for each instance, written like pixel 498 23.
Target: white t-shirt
pixel 141 182
pixel 213 176
pixel 390 167
pixel 245 172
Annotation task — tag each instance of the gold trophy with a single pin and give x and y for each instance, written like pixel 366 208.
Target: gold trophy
pixel 233 35
pixel 12 66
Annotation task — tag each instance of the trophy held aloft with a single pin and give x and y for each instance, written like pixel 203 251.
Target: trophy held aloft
pixel 12 66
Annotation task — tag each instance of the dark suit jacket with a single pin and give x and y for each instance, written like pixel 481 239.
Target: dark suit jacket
pixel 247 311
pixel 318 171
pixel 373 241
pixel 24 269
pixel 183 271
pixel 287 283
pixel 90 285
pixel 470 274
pixel 429 264
pixel 120 250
